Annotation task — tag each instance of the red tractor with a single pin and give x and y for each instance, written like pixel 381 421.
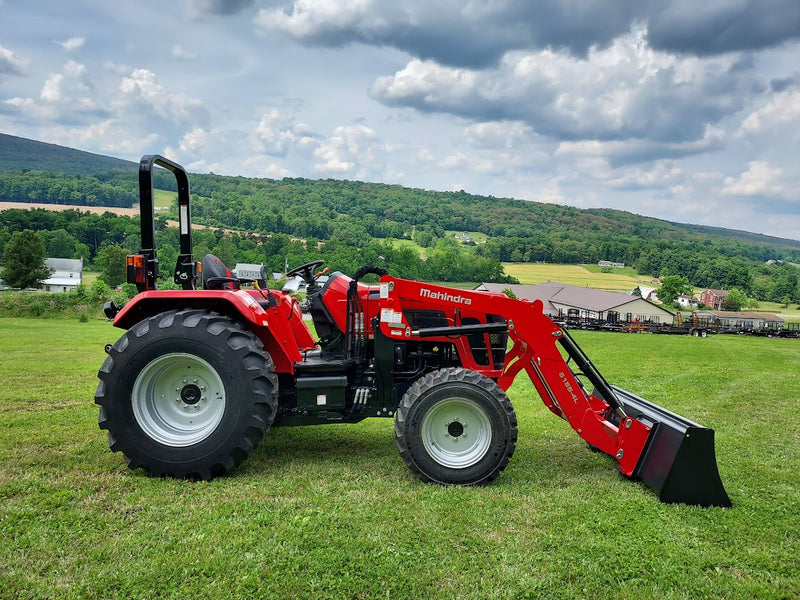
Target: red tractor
pixel 202 373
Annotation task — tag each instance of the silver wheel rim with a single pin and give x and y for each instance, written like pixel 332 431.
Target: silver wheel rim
pixel 178 399
pixel 456 433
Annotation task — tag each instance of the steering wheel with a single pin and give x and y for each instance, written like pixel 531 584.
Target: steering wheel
pixel 306 271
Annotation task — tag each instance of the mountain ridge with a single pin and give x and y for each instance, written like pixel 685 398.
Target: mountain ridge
pixel 23 154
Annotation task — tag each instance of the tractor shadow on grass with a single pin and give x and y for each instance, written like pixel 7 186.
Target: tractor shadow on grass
pixel 360 447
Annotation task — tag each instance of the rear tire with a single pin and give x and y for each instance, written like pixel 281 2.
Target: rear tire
pixel 456 427
pixel 187 394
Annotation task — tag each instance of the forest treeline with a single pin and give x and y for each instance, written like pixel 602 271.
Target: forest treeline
pixel 351 223
pixel 100 239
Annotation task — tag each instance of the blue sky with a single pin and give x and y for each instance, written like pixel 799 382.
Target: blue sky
pixel 680 110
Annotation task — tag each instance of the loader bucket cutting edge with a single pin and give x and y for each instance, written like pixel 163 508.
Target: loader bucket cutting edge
pixel 679 460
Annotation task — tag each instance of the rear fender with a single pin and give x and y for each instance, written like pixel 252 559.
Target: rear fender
pixel 279 327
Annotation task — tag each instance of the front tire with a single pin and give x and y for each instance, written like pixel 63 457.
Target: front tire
pixel 456 427
pixel 187 394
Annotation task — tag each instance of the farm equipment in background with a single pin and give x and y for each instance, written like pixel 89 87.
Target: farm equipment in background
pixel 203 372
pixel 696 325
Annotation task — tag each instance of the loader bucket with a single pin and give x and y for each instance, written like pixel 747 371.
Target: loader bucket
pixel 678 461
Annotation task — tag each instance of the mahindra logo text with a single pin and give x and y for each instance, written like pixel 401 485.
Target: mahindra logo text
pixel 458 299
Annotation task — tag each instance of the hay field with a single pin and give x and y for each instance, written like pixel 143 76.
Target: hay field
pixel 618 280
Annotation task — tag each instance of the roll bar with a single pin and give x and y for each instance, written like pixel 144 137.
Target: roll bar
pixel 185 274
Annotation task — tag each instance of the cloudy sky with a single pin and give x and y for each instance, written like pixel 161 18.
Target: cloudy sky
pixel 682 110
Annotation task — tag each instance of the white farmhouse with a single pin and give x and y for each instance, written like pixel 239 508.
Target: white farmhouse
pixel 66 274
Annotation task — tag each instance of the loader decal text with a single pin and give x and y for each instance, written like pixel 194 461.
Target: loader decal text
pixel 455 299
pixel 568 387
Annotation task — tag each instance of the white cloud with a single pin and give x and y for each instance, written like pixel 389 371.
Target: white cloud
pixel 73 43
pixel 426 84
pixel 627 90
pixel 72 90
pixel 11 64
pixel 425 155
pixel 498 134
pixel 51 90
pixel 662 174
pixel 704 176
pixel 30 109
pixel 475 163
pixel 264 166
pixel 760 179
pixel 278 133
pixel 327 18
pixel 196 145
pixel 179 108
pixel 110 136
pixel 351 151
pixel 783 108
pixel 179 53
pixel 194 142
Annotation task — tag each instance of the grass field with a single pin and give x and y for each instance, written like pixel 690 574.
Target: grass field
pixel 618 280
pixel 332 512
pixel 164 199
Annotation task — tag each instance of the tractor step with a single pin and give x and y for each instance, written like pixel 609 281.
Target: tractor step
pixel 314 362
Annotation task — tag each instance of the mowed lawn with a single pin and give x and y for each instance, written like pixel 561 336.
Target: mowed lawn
pixel 332 512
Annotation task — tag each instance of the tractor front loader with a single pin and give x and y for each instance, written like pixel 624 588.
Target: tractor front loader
pixel 202 373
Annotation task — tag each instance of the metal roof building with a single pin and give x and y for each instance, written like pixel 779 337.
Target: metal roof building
pixel 559 299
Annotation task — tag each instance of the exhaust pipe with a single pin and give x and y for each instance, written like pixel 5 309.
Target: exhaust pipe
pixel 678 460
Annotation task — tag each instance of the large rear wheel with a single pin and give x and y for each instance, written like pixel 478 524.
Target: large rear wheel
pixel 187 394
pixel 456 427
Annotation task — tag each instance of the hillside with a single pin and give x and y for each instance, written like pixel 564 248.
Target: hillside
pixel 407 207
pixel 20 154
pixel 356 219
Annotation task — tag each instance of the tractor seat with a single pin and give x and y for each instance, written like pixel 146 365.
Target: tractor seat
pixel 216 276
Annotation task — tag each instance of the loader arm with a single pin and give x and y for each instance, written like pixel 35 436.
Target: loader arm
pixel 672 454
pixel 598 417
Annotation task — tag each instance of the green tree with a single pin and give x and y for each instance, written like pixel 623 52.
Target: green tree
pixel 59 243
pixel 673 286
pixel 111 262
pixel 735 300
pixel 23 259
